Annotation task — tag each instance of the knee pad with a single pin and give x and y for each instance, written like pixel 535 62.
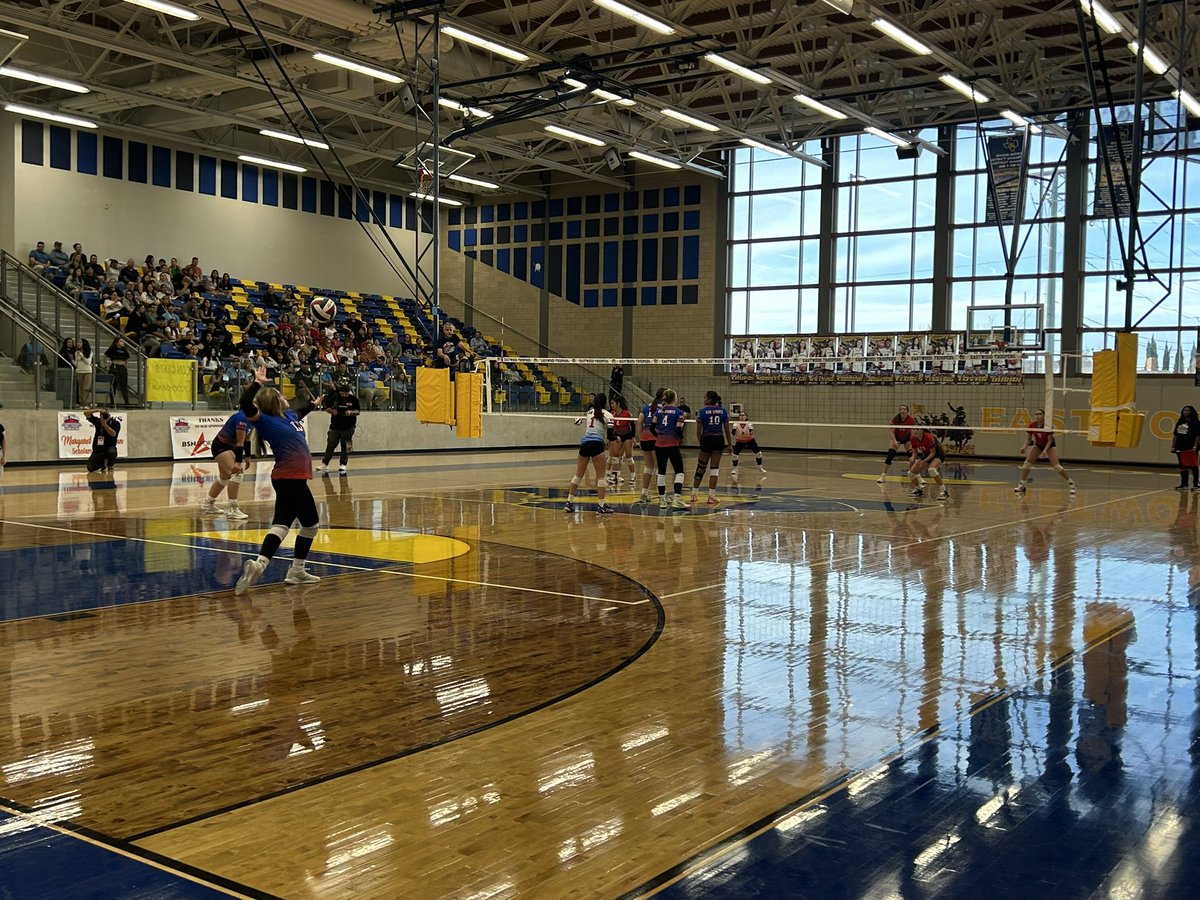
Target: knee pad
pixel 1058 468
pixel 715 473
pixel 891 455
pixel 701 468
pixel 223 481
pixel 280 531
pixel 679 478
pixel 309 531
pixel 649 470
pixel 575 480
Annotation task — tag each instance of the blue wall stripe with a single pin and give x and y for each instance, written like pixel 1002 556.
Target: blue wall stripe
pixel 208 175
pixel 328 201
pixel 519 262
pixel 250 184
pixel 591 263
pixel 691 256
pixel 270 186
pixel 87 154
pixel 308 194
pixel 591 297
pixel 504 260
pixel 608 297
pixel 33 141
pixel 649 295
pixel 60 147
pixel 670 295
pixel 453 239
pixel 229 172
pixel 160 166
pixel 395 217
pixel 138 154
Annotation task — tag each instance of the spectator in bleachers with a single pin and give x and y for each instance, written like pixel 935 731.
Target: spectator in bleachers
pixel 112 272
pixel 368 395
pixel 192 270
pixel 111 307
pixel 207 314
pixel 400 387
pixel 452 351
pixel 78 257
pixel 478 345
pixel 138 322
pixel 39 258
pixel 91 277
pixel 148 264
pixel 75 285
pixel 84 365
pixel 59 261
pixel 117 356
pixel 66 357
pixel 128 274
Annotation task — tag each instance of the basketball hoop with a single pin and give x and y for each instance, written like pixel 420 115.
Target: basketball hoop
pixel 424 179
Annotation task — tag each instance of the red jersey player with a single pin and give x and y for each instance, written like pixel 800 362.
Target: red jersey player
pixel 1039 443
pixel 927 456
pixel 902 424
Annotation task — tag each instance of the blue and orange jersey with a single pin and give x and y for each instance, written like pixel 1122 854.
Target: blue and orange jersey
pixel 667 423
pixel 647 423
pixel 229 431
pixel 289 444
pixel 712 420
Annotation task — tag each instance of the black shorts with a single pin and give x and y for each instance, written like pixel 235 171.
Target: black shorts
pixel 622 436
pixel 712 443
pixel 751 445
pixel 293 500
pixel 649 446
pixel 589 449
pixel 611 435
pixel 219 447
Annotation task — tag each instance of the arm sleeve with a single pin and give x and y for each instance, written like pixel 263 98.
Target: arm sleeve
pixel 246 402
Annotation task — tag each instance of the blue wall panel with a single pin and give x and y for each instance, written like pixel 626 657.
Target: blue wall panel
pixel 60 147
pixel 537 268
pixel 86 153
pixel 33 143
pixel 691 256
pixel 270 186
pixel 291 187
pixel 160 166
pixel 504 260
pixel 208 175
pixel 649 259
pixel 670 258
pixel 229 174
pixel 629 261
pixel 250 184
pixel 185 171
pixel 611 266
pixel 138 155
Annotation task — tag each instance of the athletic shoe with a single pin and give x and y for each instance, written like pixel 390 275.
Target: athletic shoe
pixel 300 576
pixel 920 481
pixel 1196 489
pixel 761 469
pixel 568 506
pixel 209 508
pixel 1020 488
pixel 604 510
pixel 917 492
pixel 694 497
pixel 645 498
pixel 944 495
pixel 341 470
pixel 235 512
pixel 735 477
pixel 882 479
pixel 321 467
pixel 1183 487
pixel 679 504
pixel 663 503
pixel 1071 486
pixel 252 570
pixel 713 500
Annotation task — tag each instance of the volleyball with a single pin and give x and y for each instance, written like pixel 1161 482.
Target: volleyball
pixel 323 309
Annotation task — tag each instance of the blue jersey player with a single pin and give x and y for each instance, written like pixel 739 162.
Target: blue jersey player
pixel 280 427
pixel 715 436
pixel 228 450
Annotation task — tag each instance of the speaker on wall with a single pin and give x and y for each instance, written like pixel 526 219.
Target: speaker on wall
pixel 613 157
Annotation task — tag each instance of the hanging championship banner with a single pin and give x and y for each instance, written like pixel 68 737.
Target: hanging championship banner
pixel 75 434
pixel 1005 169
pixel 1113 191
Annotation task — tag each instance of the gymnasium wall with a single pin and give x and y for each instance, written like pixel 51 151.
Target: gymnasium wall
pixel 122 198
pixel 601 272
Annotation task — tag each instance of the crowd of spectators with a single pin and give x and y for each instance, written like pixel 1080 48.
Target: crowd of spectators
pixel 174 311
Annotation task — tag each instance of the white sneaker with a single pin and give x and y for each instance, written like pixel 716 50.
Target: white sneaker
pixel 761 469
pixel 679 504
pixel 920 481
pixel 645 498
pixel 252 570
pixel 663 503
pixel 735 476
pixel 235 512
pixel 341 470
pixel 209 508
pixel 882 479
pixel 1071 486
pixel 1020 488
pixel 321 467
pixel 944 495
pixel 300 576
pixel 917 492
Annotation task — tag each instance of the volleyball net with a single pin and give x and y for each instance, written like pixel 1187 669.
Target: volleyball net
pixel 974 402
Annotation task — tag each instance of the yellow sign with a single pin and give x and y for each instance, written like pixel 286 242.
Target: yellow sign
pixel 170 380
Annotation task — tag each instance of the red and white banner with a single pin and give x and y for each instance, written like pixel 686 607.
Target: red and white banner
pixel 75 435
pixel 192 436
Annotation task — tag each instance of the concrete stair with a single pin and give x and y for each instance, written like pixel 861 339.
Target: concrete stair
pixel 17 390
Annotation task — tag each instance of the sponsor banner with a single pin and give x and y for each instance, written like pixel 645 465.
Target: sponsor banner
pixel 192 436
pixel 170 380
pixel 1006 169
pixel 83 495
pixel 75 435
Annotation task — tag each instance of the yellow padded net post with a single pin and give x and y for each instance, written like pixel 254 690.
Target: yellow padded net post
pixel 1114 420
pixel 1102 422
pixel 435 398
pixel 468 394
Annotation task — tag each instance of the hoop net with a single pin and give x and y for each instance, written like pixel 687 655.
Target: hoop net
pixel 974 404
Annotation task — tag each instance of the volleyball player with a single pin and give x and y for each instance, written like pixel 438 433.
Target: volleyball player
pixel 902 424
pixel 1185 437
pixel 591 452
pixel 1037 444
pixel 715 436
pixel 620 441
pixel 668 423
pixel 268 411
pixel 645 429
pixel 229 452
pixel 743 439
pixel 927 456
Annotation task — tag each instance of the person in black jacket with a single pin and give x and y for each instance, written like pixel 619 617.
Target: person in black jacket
pixel 117 356
pixel 104 444
pixel 1184 440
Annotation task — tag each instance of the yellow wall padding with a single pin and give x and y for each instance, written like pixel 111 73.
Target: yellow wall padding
pixel 1102 423
pixel 1127 358
pixel 435 401
pixel 468 388
pixel 1129 429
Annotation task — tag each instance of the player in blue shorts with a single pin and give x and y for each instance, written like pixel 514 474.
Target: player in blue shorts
pixel 228 450
pixel 280 427
pixel 715 436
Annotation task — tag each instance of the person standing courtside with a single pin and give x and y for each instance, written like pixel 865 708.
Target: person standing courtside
pixel 343 408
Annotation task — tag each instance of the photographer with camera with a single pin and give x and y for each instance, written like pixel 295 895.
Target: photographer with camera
pixel 104 444
pixel 343 408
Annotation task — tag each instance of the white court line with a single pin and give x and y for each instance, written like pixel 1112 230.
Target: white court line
pixel 346 566
pixel 834 562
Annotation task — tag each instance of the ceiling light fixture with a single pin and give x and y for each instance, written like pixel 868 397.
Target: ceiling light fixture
pixel 1103 17
pixel 284 136
pixel 574 135
pixel 449 201
pixel 880 133
pixel 498 49
pixel 169 8
pixel 48 80
pixel 758 145
pixel 963 88
pixel 1153 61
pixel 1020 121
pixel 730 66
pixel 1189 102
pixel 273 164
pixel 574 84
pixel 479 182
pixel 900 36
pixel 635 15
pixel 614 98
pixel 655 159
pixel 820 107
pixel 353 66
pixel 463 108
pixel 689 120
pixel 36 113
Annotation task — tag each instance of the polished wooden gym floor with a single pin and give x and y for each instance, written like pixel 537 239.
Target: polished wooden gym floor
pixel 819 688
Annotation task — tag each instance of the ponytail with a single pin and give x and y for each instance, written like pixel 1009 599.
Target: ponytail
pixel 599 407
